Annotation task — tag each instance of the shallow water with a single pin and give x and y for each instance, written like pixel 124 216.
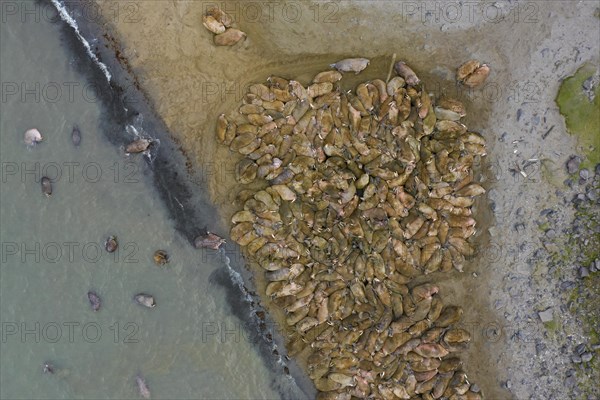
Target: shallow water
pixel 191 345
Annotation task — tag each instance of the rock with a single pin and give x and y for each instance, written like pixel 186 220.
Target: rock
pixel 550 234
pixel 587 357
pixel 539 347
pixel 566 285
pixel 573 164
pixel 588 84
pixel 584 174
pixel 576 359
pixel 592 194
pixel 570 381
pixel 583 272
pixel 507 384
pixel 474 388
pixel 597 170
pixel 547 315
pixel 580 349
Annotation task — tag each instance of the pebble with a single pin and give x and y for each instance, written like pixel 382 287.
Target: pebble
pixel 566 285
pixel 507 384
pixel 570 381
pixel 550 234
pixel 592 194
pixel 547 315
pixel 520 227
pixel 597 170
pixel 474 388
pixel 573 164
pixel 576 359
pixel 520 212
pixel 580 349
pixel 583 272
pixel 587 357
pixel 584 174
pixel 539 347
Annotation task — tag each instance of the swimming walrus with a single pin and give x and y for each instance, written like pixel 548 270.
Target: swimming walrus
pixel 76 135
pixel 138 146
pixel 142 387
pixel 145 300
pixel 209 241
pixel 32 136
pixel 48 368
pixel 95 300
pixel 111 244
pixel 46 186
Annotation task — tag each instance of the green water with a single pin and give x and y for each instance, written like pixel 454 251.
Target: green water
pixel 190 345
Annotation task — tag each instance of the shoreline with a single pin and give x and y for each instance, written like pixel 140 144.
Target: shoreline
pixel 181 188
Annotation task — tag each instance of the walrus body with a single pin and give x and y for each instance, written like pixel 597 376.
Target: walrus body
pixel 142 387
pixel 145 300
pixel 138 146
pixel 32 136
pixel 95 300
pixel 209 241
pixel 46 186
pixel 76 136
pixel 111 244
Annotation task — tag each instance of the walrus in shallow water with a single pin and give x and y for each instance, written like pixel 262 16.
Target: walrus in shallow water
pixel 76 136
pixel 94 299
pixel 48 368
pixel 33 136
pixel 145 300
pixel 209 241
pixel 142 387
pixel 138 146
pixel 161 257
pixel 46 186
pixel 111 244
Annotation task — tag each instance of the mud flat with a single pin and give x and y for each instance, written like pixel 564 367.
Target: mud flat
pixel 530 47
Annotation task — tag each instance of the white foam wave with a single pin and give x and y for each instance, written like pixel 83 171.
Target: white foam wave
pixel 69 20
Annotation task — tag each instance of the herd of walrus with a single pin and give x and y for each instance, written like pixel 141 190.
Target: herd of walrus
pixel 33 137
pixel 347 198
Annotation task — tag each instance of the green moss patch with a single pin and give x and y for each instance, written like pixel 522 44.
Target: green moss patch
pixel 582 116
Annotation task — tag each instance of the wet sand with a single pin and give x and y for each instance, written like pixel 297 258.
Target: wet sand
pixel 190 82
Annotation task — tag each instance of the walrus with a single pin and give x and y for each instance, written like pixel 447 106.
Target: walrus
pixel 208 241
pixel 142 387
pixel 33 136
pixel 138 146
pixel 48 368
pixel 94 300
pixel 76 135
pixel 111 244
pixel 351 65
pixel 145 300
pixel 46 186
pixel 161 257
